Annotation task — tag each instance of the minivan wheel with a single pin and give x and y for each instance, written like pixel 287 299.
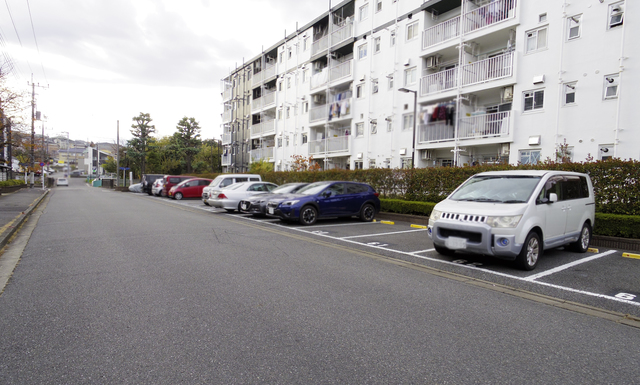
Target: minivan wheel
pixel 308 215
pixel 178 196
pixel 530 253
pixel 582 244
pixel 367 213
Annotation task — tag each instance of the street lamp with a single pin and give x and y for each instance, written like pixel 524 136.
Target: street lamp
pixel 415 118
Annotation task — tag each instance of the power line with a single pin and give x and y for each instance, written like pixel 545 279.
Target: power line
pixel 16 30
pixel 36 40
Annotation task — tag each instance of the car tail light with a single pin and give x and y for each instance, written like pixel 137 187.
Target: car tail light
pixel 376 194
pixel 222 196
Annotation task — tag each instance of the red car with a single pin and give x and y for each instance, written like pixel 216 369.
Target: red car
pixel 190 188
pixel 172 180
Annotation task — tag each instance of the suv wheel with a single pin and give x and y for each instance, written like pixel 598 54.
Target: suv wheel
pixel 367 213
pixel 582 244
pixel 308 215
pixel 530 253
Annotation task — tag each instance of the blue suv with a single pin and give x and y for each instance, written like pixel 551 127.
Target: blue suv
pixel 327 199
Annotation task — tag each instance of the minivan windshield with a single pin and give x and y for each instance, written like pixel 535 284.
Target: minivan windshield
pixel 497 189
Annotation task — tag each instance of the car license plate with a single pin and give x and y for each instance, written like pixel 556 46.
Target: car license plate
pixel 455 243
pixel 271 210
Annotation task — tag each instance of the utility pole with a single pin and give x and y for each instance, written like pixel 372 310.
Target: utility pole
pixel 33 120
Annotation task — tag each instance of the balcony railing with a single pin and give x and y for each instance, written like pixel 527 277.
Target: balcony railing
pixel 442 32
pixel 341 70
pixel 343 33
pixel 226 138
pixel 318 113
pixel 474 127
pixel 320 78
pixel 490 14
pixel 257 78
pixel 269 71
pixel 227 93
pixel 268 99
pixel 227 115
pixel 262 153
pixel 226 160
pixel 438 82
pixel 320 45
pixel 484 125
pixel 267 127
pixel 330 145
pixel 493 68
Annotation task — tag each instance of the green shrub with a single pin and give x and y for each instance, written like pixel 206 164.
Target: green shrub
pixel 614 225
pixel 11 182
pixel 406 207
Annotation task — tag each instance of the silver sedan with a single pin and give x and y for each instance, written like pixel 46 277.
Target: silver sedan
pixel 229 197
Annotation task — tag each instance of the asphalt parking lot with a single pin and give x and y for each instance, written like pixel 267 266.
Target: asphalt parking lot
pixel 603 278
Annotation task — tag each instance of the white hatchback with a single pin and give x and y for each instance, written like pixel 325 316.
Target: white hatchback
pixel 515 215
pixel 62 182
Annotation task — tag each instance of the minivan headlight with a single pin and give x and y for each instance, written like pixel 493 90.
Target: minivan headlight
pixel 505 221
pixel 435 215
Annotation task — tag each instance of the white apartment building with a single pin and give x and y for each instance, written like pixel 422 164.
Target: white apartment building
pixel 384 83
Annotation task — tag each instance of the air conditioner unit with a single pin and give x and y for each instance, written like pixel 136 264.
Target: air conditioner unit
pixel 507 93
pixel 317 66
pixel 504 149
pixel 426 154
pixel 316 99
pixel 433 61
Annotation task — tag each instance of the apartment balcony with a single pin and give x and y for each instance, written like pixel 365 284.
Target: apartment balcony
pixel 267 100
pixel 487 15
pixel 482 126
pixel 320 78
pixel 269 71
pixel 440 33
pixel 341 71
pixel 482 71
pixel 227 93
pixel 257 79
pixel 341 34
pixel 226 160
pixel 262 153
pixel 320 45
pixel 330 146
pixel 476 19
pixel 267 127
pixel 227 115
pixel 226 138
pixel 318 113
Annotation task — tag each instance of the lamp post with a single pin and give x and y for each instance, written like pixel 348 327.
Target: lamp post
pixel 415 118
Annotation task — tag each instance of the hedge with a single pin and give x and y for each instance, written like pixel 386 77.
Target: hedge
pixel 11 182
pixel 406 207
pixel 614 225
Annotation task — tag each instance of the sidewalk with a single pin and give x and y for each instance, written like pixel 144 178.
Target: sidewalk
pixel 15 207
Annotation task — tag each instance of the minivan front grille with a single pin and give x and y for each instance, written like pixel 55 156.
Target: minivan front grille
pixel 464 217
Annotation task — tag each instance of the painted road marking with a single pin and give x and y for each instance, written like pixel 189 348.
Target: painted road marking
pixel 422 251
pixel 568 265
pixel 629 255
pixel 375 235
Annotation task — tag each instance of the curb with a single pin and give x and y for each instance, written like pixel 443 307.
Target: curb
pixel 15 224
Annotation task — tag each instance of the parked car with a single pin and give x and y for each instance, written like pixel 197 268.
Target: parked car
pixel 190 188
pixel 137 187
pixel 157 188
pixel 147 182
pixel 229 197
pixel 327 199
pixel 62 182
pixel 257 205
pixel 222 181
pixel 172 180
pixel 515 215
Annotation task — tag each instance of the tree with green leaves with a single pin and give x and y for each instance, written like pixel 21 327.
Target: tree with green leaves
pixel 141 131
pixel 262 166
pixel 188 138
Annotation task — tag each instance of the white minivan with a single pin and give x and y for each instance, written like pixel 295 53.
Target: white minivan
pixel 515 215
pixel 225 180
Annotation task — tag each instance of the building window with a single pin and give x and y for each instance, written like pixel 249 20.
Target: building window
pixel 410 76
pixel 616 15
pixel 378 5
pixel 279 142
pixel 536 39
pixel 372 163
pixel 392 39
pixel 390 82
pixel 373 125
pixel 412 31
pixel 362 51
pixel 359 129
pixel 605 151
pixel 305 139
pixel 357 165
pixel 289 82
pixel 374 86
pixel 542 18
pixel 280 114
pixel 305 44
pixel 364 12
pixel 376 45
pixel 288 112
pixel 359 91
pixel 289 52
pixel 569 94
pixel 529 156
pixel 305 107
pixel 533 100
pixel 389 124
pixel 406 163
pixel 280 86
pixel 407 121
pixel 611 86
pixel 574 24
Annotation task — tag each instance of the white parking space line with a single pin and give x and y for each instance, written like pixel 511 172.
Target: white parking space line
pixel 375 235
pixel 348 224
pixel 422 251
pixel 568 265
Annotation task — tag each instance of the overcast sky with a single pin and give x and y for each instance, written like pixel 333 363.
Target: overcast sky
pixel 106 61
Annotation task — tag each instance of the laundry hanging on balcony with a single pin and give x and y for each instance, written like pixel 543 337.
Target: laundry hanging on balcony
pixel 442 112
pixel 340 106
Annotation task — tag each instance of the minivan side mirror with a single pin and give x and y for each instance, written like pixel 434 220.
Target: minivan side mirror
pixel 553 197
